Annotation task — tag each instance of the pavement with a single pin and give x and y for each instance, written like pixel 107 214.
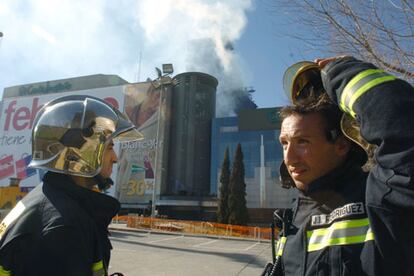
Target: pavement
pixel 141 252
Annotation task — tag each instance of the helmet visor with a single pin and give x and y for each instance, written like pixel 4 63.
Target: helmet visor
pixel 128 136
pixel 125 130
pixel 300 80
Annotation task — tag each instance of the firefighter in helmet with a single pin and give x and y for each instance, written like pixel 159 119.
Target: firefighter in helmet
pixel 346 220
pixel 60 227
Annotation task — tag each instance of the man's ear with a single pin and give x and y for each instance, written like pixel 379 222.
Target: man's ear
pixel 342 145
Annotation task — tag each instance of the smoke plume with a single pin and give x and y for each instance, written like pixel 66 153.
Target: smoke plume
pixel 48 40
pixel 199 36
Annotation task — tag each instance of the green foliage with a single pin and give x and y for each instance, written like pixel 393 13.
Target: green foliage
pixel 222 211
pixel 237 191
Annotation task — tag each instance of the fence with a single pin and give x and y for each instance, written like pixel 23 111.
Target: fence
pixel 195 227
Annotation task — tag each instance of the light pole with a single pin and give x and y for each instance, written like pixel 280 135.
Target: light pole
pixel 163 78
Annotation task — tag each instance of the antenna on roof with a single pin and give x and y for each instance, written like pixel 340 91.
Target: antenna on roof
pixel 139 66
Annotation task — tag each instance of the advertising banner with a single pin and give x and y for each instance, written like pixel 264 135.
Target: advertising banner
pixel 16 122
pixel 136 173
pixel 22 170
pixel 6 166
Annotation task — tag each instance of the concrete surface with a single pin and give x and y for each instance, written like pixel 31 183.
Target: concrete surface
pixel 154 253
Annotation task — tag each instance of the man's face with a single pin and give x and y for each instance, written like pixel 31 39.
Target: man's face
pixel 109 158
pixel 307 153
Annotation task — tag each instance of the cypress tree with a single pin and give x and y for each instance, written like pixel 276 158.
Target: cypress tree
pixel 222 211
pixel 237 191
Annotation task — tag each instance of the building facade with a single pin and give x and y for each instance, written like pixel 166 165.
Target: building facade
pixel 258 140
pixel 183 178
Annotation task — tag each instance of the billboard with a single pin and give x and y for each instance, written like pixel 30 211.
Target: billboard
pixel 134 174
pixel 137 160
pixel 259 119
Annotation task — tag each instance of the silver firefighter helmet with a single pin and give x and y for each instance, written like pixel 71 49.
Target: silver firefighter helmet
pixel 71 133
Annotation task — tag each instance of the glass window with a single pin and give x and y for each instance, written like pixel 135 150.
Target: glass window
pixel 224 129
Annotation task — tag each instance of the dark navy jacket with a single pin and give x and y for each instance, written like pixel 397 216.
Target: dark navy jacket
pixel 61 230
pixel 384 107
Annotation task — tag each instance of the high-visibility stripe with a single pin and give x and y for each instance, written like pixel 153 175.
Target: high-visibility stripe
pixel 354 80
pixel 360 84
pixel 340 233
pixel 98 269
pixel 4 272
pixel 280 246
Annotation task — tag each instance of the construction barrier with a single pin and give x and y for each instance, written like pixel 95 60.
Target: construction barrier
pixel 195 227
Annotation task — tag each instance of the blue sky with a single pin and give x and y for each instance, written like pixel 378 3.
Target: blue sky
pixel 46 40
pixel 266 53
pixel 268 49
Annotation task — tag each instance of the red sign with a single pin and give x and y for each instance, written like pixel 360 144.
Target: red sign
pixel 21 167
pixel 6 166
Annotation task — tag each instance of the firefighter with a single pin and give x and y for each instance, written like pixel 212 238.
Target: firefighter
pixel 60 227
pixel 346 221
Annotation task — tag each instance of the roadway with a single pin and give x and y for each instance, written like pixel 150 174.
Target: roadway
pixel 144 253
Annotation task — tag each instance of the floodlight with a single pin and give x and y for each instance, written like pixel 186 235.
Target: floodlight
pixel 167 68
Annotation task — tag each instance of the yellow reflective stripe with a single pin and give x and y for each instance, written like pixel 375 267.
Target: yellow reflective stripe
pixel 96 266
pixel 340 233
pixel 280 246
pixel 98 269
pixel 339 225
pixel 4 272
pixel 365 88
pixel 354 80
pixel 337 241
pixel 369 236
pixel 349 96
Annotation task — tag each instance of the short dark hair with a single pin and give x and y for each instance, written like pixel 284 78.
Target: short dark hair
pixel 332 116
pixel 329 111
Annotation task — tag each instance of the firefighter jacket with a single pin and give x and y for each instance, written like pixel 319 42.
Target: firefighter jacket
pixel 59 228
pixel 349 222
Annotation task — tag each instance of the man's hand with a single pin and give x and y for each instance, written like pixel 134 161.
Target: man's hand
pixel 322 62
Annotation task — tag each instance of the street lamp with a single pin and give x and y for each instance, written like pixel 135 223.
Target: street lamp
pixel 162 79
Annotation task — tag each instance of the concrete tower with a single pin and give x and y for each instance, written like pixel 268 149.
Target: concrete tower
pixel 192 110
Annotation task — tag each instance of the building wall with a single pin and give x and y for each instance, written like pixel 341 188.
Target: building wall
pixel 63 85
pixel 276 196
pixel 226 133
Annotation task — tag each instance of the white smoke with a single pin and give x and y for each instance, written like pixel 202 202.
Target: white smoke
pixel 46 40
pixel 198 36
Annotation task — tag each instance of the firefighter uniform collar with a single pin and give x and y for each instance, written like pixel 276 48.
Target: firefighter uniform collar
pixel 330 180
pixel 99 206
pixel 344 185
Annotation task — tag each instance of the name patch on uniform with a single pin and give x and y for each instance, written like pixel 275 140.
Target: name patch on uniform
pixel 341 212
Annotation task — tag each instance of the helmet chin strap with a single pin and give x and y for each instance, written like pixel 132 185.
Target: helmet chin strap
pixel 103 183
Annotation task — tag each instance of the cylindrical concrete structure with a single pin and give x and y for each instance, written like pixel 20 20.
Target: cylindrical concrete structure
pixel 192 109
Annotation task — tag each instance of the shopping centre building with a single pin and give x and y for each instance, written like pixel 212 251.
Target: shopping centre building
pixel 178 163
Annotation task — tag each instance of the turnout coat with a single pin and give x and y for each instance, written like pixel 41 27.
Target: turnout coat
pixel 59 228
pixel 350 222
